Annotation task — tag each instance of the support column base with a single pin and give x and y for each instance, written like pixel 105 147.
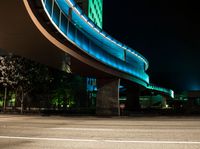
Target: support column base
pixel 132 102
pixel 107 103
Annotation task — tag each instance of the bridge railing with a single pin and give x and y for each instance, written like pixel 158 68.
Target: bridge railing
pixel 78 29
pixel 161 89
pixel 115 46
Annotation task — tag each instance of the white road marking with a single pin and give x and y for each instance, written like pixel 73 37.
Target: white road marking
pixel 92 129
pixel 120 130
pixel 94 140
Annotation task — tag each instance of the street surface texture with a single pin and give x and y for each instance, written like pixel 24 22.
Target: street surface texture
pixel 56 132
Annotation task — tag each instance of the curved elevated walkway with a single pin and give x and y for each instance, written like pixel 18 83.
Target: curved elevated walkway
pixel 54 31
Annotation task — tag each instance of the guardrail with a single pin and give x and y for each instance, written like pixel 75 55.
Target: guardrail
pixel 70 21
pixel 161 89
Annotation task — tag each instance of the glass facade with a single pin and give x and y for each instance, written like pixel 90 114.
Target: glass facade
pixel 93 9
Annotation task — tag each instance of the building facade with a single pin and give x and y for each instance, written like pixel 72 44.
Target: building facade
pixel 93 9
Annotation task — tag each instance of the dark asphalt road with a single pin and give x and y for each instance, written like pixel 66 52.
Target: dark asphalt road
pixel 37 132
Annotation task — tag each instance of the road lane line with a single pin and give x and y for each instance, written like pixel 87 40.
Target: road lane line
pixel 47 139
pixel 95 140
pixel 91 129
pixel 117 129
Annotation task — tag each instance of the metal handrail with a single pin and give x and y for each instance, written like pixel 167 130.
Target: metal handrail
pixel 99 53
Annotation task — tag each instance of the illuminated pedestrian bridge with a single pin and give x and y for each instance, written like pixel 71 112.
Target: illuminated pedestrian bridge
pixel 70 21
pixel 65 29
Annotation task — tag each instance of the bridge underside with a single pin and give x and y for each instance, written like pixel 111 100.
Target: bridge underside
pixel 35 39
pixel 20 36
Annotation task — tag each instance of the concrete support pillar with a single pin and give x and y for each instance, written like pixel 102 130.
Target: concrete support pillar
pixel 164 102
pixel 132 99
pixel 107 101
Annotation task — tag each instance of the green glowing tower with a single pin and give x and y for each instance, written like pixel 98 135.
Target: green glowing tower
pixel 93 9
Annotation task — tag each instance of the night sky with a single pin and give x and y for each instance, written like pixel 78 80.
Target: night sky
pixel 166 32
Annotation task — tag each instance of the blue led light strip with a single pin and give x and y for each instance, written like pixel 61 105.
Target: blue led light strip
pixel 109 60
pixel 161 89
pixel 108 37
pixel 112 60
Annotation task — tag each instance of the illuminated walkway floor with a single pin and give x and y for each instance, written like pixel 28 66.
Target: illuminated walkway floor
pixel 22 132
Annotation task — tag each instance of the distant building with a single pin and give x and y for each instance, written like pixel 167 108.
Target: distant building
pixel 187 102
pixel 153 101
pixel 93 9
pixel 193 101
